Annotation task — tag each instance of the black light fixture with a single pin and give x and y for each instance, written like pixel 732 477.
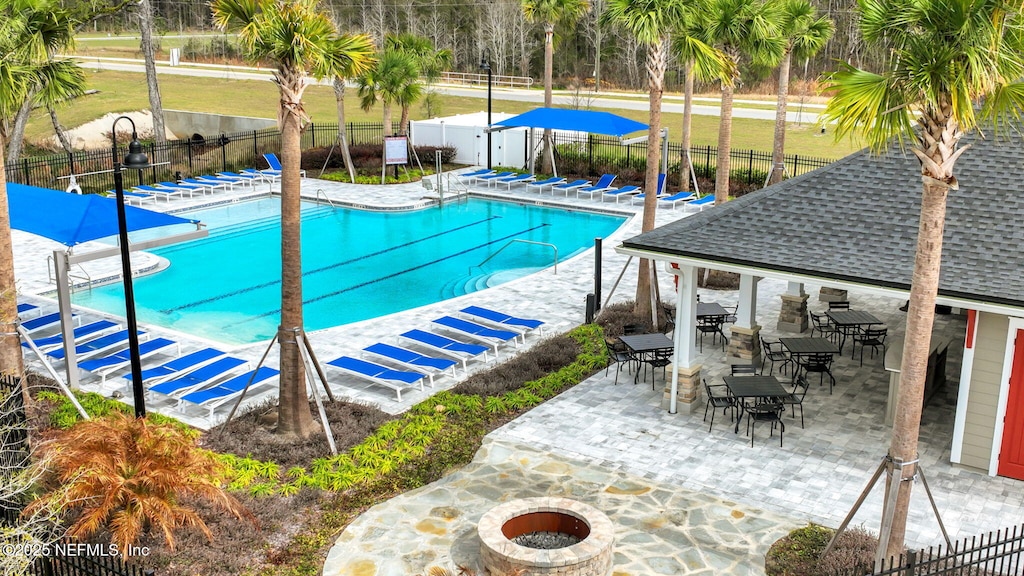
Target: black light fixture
pixel 135 159
pixel 485 64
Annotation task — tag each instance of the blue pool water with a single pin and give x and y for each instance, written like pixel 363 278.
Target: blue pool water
pixel 356 264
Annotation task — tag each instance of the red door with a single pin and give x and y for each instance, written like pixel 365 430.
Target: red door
pixel 1011 453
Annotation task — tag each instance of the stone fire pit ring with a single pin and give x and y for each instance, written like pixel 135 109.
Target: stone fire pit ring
pixel 592 556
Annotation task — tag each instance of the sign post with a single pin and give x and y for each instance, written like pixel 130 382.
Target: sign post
pixel 396 153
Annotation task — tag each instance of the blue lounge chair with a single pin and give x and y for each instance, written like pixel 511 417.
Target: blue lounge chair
pixel 132 197
pixel 81 333
pixel 24 308
pixel 198 378
pixel 488 178
pixel 184 187
pixel 700 203
pixel 229 180
pixel 503 319
pixel 212 185
pixel 275 164
pixel 179 365
pixel 444 345
pixel 95 346
pixel 541 185
pixel 217 395
pixel 517 179
pixel 677 198
pixel 603 185
pixel 247 177
pixel 396 380
pixel 478 332
pixel 661 190
pixel 104 365
pixel 268 175
pixel 569 186
pixel 475 173
pixel 165 193
pixel 41 322
pixel 414 361
pixel 624 192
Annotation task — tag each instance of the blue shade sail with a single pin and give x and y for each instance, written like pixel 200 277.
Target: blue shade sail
pixel 578 120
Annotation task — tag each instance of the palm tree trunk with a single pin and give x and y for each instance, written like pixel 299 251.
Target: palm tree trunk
pixel 156 106
pixel 917 343
pixel 724 145
pixel 339 99
pixel 549 33
pixel 656 63
pixel 62 134
pixel 403 121
pixel 684 166
pixel 294 417
pixel 11 361
pixel 387 119
pixel 17 134
pixel 779 144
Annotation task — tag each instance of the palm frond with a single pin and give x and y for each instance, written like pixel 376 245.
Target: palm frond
pixel 869 104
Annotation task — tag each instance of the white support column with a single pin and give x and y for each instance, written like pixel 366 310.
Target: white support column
pixel 685 371
pixel 744 335
pixel 67 329
pixel 795 289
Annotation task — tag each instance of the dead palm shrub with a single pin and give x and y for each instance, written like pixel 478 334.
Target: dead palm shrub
pixel 130 476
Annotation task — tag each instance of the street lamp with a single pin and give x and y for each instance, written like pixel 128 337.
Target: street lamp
pixel 135 159
pixel 485 64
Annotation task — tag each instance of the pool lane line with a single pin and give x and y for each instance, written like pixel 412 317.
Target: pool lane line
pixel 329 267
pixel 232 231
pixel 390 276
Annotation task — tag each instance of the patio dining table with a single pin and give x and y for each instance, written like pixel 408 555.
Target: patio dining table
pixel 849 321
pixel 754 386
pixel 647 347
pixel 706 309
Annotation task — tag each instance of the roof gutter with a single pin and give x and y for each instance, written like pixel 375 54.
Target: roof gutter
pixel 789 276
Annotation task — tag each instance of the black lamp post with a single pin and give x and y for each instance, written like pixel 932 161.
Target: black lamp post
pixel 135 159
pixel 485 64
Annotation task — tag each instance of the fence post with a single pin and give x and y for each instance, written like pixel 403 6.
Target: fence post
pixel 590 153
pixel 908 568
pixel 255 150
pixel 152 155
pixel 312 130
pixel 71 162
pixel 750 166
pixel 796 165
pixel 24 164
pixel 707 162
pixel 224 151
pixel 191 170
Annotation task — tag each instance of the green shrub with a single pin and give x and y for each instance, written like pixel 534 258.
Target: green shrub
pixel 799 552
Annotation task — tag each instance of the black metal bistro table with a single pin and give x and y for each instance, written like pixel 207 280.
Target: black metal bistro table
pixel 848 321
pixel 705 309
pixel 754 386
pixel 805 346
pixel 646 347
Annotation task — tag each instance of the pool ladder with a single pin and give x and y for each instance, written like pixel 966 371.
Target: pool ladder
pixel 514 240
pixel 320 193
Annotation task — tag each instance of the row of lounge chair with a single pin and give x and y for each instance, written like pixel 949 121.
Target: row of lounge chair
pixel 420 355
pixel 602 188
pixel 205 184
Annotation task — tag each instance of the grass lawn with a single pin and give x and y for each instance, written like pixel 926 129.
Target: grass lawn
pixel 126 91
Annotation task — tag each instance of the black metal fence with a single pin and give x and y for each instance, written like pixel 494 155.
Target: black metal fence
pixel 178 158
pixel 604 154
pixel 999 553
pixel 217 153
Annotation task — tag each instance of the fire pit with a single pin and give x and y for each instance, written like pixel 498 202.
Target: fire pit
pixel 542 536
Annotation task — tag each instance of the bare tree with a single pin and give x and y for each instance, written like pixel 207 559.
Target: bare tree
pixel 156 105
pixel 595 34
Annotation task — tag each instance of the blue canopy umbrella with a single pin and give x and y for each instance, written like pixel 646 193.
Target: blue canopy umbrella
pixel 72 219
pixel 578 120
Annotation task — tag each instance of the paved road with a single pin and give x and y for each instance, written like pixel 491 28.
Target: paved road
pixel 609 102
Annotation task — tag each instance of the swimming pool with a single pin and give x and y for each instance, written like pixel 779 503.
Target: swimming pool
pixel 356 264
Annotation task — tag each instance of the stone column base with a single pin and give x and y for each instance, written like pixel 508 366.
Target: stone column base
pixel 827 294
pixel 744 345
pixel 793 315
pixel 688 393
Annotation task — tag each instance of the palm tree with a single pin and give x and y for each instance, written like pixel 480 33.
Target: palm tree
pixel 805 35
pixel 687 45
pixel 131 475
pixel 430 63
pixel 953 63
pixel 739 28
pixel 25 67
pixel 300 40
pixel 392 81
pixel 550 13
pixel 651 22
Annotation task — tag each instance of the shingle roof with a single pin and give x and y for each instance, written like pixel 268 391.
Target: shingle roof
pixel 856 220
